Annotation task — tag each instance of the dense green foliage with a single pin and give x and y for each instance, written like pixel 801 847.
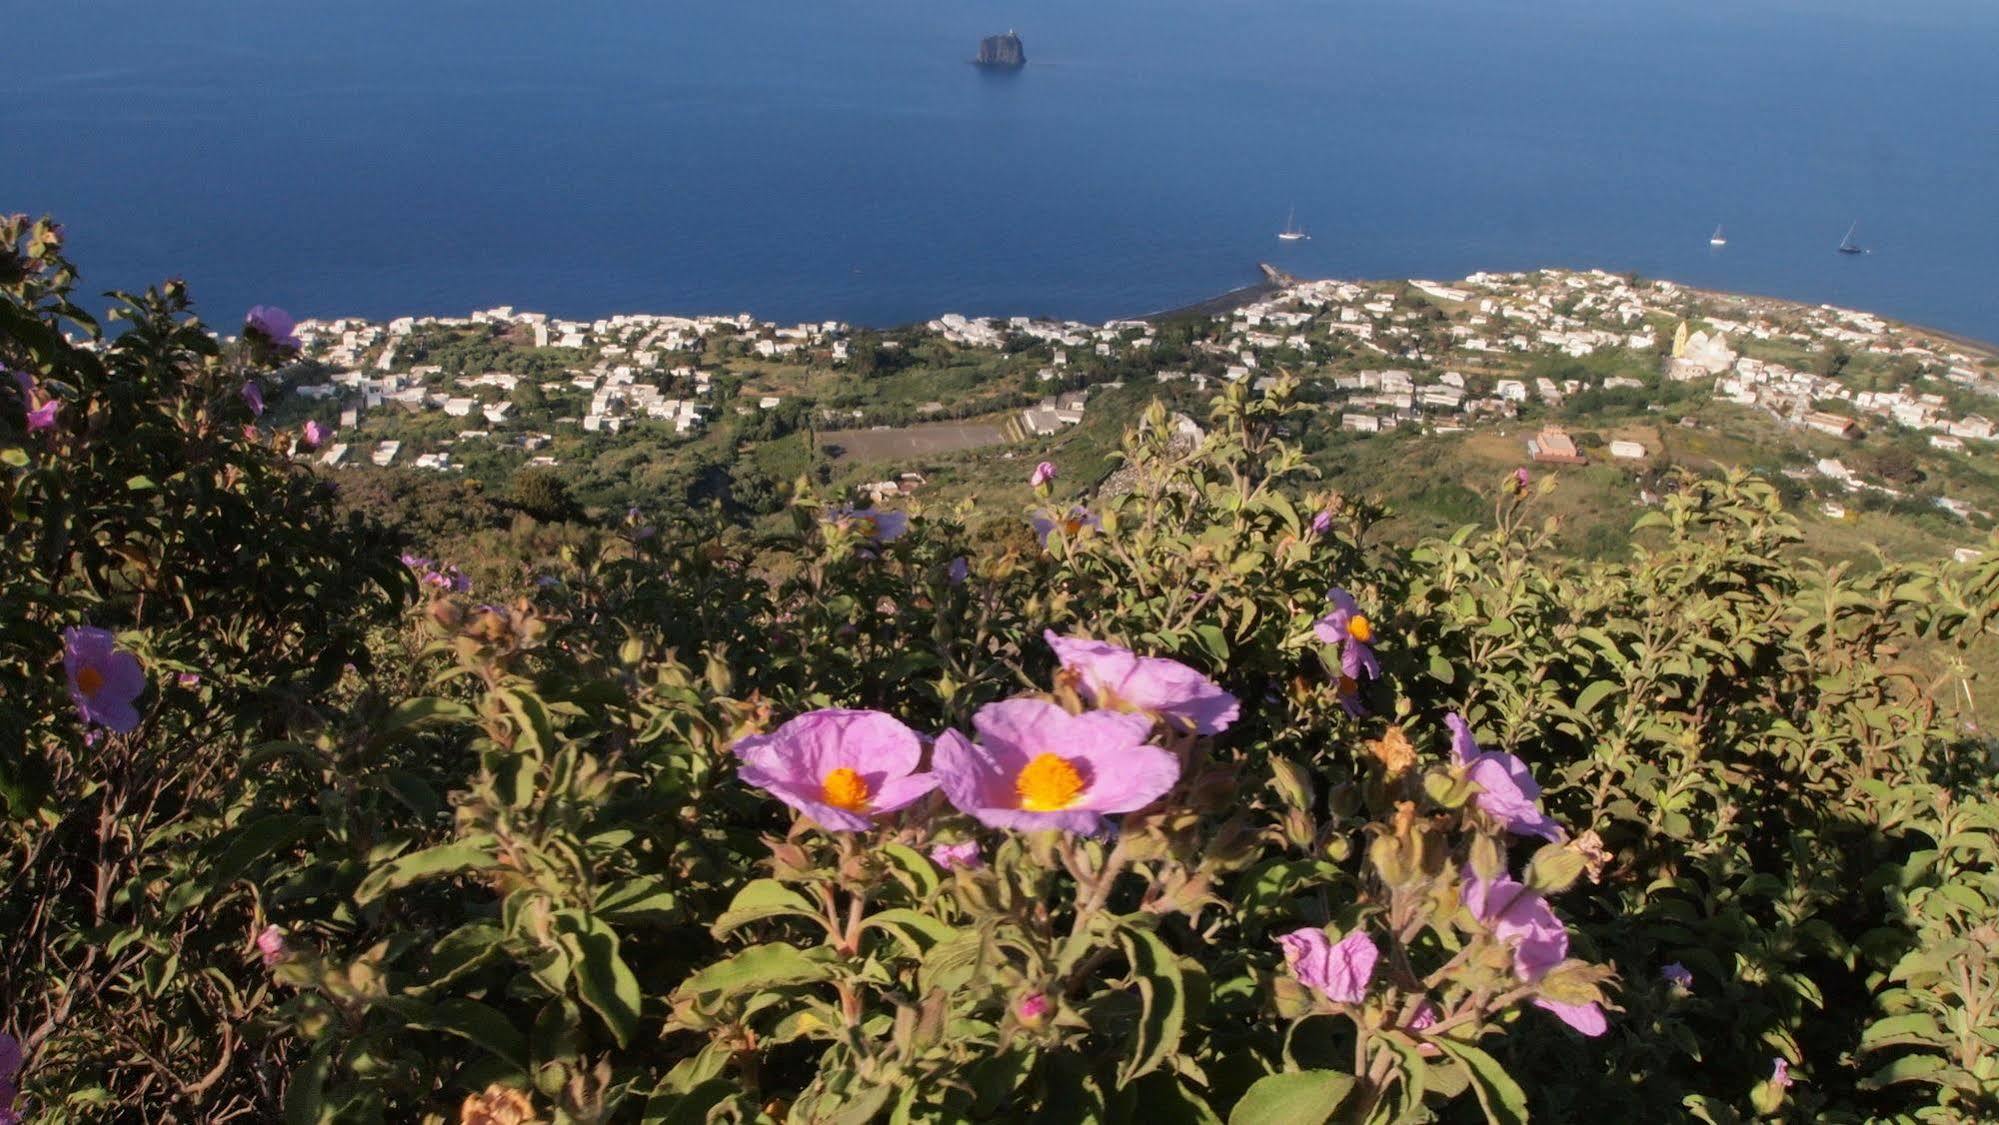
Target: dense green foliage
pixel 506 846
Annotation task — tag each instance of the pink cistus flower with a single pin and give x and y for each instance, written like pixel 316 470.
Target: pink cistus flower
pixel 1346 626
pixel 1035 766
pixel 1033 1009
pixel 1508 791
pixel 1322 523
pixel 314 434
pixel 1043 473
pixel 1119 680
pixel 1522 919
pixel 40 407
pixel 254 396
pixel 840 768
pixel 1780 1074
pixel 104 680
pixel 873 524
pixel 961 856
pixel 1072 525
pixel 271 945
pixel 274 325
pixel 1339 971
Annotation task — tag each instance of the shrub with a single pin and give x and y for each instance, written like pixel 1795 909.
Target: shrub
pixel 1198 802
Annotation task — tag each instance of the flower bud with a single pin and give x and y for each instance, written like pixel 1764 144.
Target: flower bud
pixel 1488 862
pixel 1390 860
pixel 1554 869
pixel 1291 782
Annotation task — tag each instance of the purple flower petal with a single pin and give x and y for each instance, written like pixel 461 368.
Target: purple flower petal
pixel 963 855
pixel 104 680
pixel 1520 918
pixel 1339 972
pixel 839 767
pixel 1023 743
pixel 1586 1018
pixel 1114 677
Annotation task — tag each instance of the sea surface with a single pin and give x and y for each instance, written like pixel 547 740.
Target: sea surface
pixel 814 159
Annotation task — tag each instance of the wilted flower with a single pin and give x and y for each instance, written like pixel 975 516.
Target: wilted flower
pixel 1596 857
pixel 1508 791
pixel 963 855
pixel 274 325
pixel 841 768
pixel 1043 473
pixel 1780 1074
pixel 271 943
pixel 1522 919
pixel 1339 972
pixel 253 394
pixel 1677 975
pixel 1350 629
pixel 188 679
pixel 873 524
pixel 251 433
pixel 104 680
pixel 314 434
pixel 1036 766
pixel 1323 522
pixel 498 1105
pixel 1079 520
pixel 958 571
pixel 1116 679
pixel 1520 481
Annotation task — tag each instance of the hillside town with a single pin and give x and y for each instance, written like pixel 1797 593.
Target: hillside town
pixel 1375 357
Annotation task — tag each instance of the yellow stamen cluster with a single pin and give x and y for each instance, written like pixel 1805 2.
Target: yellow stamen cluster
pixel 1360 629
pixel 845 789
pixel 1049 783
pixel 90 681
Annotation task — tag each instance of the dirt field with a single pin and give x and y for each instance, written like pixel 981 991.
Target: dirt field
pixel 910 441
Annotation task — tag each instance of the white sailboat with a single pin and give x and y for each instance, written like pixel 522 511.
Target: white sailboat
pixel 1291 233
pixel 1847 245
pixel 1717 238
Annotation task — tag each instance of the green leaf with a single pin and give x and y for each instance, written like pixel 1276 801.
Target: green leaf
pixel 1499 1095
pixel 760 966
pixel 760 899
pixel 305 1102
pixel 1302 1097
pixel 1441 670
pixel 1162 1004
pixel 479 1023
pixel 1915 1027
pixel 255 840
pixel 645 898
pixel 1589 697
pixel 919 932
pixel 473 854
pixel 603 979
pixel 1910 1068
pixel 913 867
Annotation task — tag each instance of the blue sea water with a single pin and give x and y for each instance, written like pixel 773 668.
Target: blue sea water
pixel 840 159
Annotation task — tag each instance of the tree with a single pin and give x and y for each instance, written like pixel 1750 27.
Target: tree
pixel 542 493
